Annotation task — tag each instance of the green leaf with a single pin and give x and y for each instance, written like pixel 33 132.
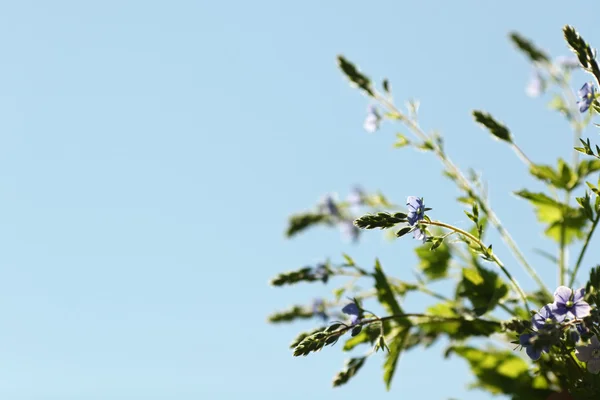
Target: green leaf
pixel 305 274
pixel 434 264
pixel 526 46
pixel 368 335
pixel 385 294
pixel 456 327
pixel 291 314
pixel 356 77
pixel 557 216
pixel 381 220
pixel 502 372
pixel 496 128
pixel 401 141
pixel 351 368
pixel 483 288
pixel 395 349
pixel 300 222
pixel 587 167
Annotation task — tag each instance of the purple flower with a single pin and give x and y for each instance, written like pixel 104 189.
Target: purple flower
pixel 570 304
pixel 349 230
pixel 329 207
pixel 321 272
pixel 536 86
pixel 353 311
pixel 318 309
pixel 416 212
pixel 590 354
pixel 542 320
pixel 372 120
pixel 534 352
pixel 356 198
pixel 586 94
pixel 567 62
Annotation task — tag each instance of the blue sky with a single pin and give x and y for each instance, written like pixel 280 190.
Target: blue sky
pixel 152 151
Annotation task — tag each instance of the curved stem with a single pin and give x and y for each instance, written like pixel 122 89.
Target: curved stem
pixel 583 249
pixel 493 256
pixel 465 185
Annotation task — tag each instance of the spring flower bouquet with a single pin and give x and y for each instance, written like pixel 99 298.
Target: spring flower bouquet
pixel 554 331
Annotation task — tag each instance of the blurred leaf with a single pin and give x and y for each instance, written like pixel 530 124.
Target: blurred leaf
pixel 483 288
pixel 528 48
pixel 401 141
pixel 356 77
pixel 291 314
pixel 369 334
pixel 351 368
pixel 395 349
pixel 301 336
pixel 457 327
pixel 496 128
pixel 385 294
pixel 502 372
pixel 434 264
pixel 300 222
pixel 306 274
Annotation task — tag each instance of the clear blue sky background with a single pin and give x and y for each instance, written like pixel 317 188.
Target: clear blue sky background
pixel 151 152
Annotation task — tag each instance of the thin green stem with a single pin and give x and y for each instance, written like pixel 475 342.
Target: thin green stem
pixel 522 155
pixel 493 256
pixel 583 249
pixel 466 185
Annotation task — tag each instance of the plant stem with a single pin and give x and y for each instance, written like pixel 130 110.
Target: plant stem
pixel 494 257
pixel 583 249
pixel 465 185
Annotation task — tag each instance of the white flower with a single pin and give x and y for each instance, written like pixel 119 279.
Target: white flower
pixel 590 354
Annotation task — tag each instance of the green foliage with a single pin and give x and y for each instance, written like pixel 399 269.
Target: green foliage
pixel 300 222
pixel 456 323
pixel 350 369
pixel 528 48
pixel 397 345
pixel 564 177
pixel 367 336
pixel 592 287
pixel 559 217
pixel 385 294
pixel 584 52
pixel 305 274
pixel 315 342
pixel 496 128
pixel 483 288
pixel 291 314
pixel 301 336
pixel 434 264
pixel 382 220
pixel 502 372
pixel 356 77
pixel 587 149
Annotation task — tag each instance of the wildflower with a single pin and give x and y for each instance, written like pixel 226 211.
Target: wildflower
pixel 349 230
pixel 354 311
pixel 356 198
pixel 567 62
pixel 536 85
pixel 586 93
pixel 318 309
pixel 329 207
pixel 321 272
pixel 372 120
pixel 570 304
pixel 590 354
pixel 416 212
pixel 542 321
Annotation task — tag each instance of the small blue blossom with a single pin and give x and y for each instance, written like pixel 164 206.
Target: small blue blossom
pixel 545 318
pixel 354 311
pixel 416 212
pixel 586 94
pixel 536 86
pixel 329 207
pixel 321 272
pixel 590 354
pixel 534 352
pixel 372 120
pixel 570 304
pixel 567 62
pixel 356 198
pixel 349 230
pixel 318 309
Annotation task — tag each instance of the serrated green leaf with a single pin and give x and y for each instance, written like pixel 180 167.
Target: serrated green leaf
pixel 300 222
pixel 351 368
pixel 434 264
pixel 496 128
pixel 385 294
pixel 380 220
pixel 483 288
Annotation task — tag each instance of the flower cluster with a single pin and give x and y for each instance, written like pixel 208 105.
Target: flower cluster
pixel 565 315
pixel 329 206
pixel 586 96
pixel 416 213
